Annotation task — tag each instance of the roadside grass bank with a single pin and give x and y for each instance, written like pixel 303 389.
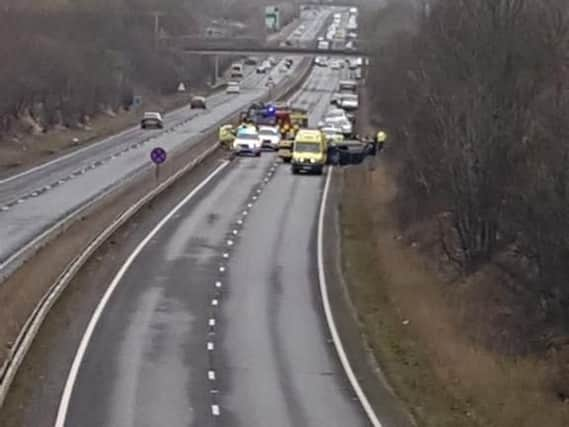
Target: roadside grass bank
pixel 423 325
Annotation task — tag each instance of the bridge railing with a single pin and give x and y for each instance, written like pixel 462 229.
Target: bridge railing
pixel 196 43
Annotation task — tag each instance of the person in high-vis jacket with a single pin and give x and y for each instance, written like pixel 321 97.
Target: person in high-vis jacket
pixel 380 139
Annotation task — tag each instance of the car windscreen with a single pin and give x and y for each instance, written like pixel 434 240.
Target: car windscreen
pixel 269 121
pixel 347 87
pixel 305 147
pixel 331 133
pixel 247 136
pixel 337 121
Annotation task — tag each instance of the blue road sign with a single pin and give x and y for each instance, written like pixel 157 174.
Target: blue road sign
pixel 158 155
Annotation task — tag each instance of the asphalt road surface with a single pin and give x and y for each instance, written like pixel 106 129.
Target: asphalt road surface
pixel 217 321
pixel 33 201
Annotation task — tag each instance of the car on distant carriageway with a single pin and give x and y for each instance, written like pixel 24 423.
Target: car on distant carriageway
pixel 233 88
pixel 198 102
pixel 251 60
pixel 349 102
pixel 321 61
pixel 264 67
pixel 334 113
pixel 336 64
pixel 338 118
pixel 333 135
pixel 152 119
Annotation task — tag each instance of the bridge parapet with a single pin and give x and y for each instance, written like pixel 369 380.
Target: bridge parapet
pixel 193 44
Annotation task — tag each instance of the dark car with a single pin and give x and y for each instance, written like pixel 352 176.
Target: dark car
pixel 198 102
pixel 251 60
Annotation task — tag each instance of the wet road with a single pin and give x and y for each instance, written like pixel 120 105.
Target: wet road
pixel 32 202
pixel 217 321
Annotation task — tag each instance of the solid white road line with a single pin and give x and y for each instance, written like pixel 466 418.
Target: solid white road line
pixel 64 157
pixel 82 349
pixel 330 317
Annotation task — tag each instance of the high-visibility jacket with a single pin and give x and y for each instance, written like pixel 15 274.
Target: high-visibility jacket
pixel 381 136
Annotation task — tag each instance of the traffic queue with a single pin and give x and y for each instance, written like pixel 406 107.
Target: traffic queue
pixel 285 129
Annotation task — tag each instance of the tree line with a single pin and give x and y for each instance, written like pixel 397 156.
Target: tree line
pixel 63 62
pixel 476 98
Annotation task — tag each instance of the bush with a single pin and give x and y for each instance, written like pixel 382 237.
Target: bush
pixel 476 98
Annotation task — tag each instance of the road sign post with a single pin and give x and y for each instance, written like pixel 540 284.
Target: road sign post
pixel 270 84
pixel 272 18
pixel 158 156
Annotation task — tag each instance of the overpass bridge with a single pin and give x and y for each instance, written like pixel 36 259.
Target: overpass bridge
pixel 251 46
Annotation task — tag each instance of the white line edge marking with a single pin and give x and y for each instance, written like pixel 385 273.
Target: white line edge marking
pixel 82 349
pixel 330 317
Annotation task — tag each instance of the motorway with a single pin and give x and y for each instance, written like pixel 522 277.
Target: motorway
pixel 216 319
pixel 33 201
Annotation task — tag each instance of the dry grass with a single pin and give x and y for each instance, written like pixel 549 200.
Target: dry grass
pixel 416 324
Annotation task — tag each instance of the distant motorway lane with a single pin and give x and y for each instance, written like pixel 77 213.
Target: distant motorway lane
pixel 33 201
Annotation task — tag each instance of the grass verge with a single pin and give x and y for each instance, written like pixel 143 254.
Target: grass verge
pixel 414 323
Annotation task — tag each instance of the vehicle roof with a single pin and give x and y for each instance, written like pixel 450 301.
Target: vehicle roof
pixel 348 82
pixel 336 119
pixel 152 114
pixel 232 83
pixel 271 128
pixel 309 135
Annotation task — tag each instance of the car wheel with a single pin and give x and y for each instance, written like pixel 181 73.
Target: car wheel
pixel 143 126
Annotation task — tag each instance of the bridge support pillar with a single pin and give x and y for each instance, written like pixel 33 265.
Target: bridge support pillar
pixel 215 70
